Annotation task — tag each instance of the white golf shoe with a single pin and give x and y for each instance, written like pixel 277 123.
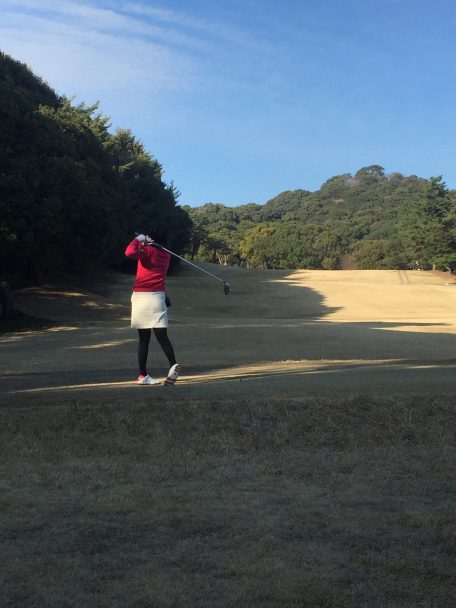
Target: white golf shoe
pixel 173 374
pixel 147 380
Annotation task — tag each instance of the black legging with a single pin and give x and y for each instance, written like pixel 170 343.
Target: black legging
pixel 161 333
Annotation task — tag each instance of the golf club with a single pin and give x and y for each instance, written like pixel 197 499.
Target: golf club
pixel 226 285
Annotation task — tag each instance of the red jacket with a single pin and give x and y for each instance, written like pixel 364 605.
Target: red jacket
pixel 153 265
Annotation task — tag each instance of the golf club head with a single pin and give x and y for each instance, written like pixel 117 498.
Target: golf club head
pixel 226 287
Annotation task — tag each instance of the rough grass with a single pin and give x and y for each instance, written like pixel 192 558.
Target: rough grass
pixel 20 322
pixel 288 504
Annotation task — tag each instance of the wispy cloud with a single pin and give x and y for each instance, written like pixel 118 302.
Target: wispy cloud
pixel 96 53
pixel 92 18
pixel 165 15
pixel 223 32
pixel 93 50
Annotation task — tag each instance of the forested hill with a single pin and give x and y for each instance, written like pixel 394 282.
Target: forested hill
pixel 72 193
pixel 366 220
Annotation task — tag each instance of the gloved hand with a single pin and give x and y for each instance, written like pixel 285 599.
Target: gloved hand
pixel 141 238
pixel 149 241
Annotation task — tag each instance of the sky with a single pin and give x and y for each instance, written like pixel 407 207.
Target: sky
pixel 240 100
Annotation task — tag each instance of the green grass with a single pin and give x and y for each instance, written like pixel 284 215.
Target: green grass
pixel 290 504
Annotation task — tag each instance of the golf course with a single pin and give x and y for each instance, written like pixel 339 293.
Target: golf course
pixel 227 304
pixel 277 334
pixel 305 456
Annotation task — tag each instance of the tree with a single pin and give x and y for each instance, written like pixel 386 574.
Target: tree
pixel 372 172
pixel 428 226
pixel 71 192
pixel 254 247
pixel 378 254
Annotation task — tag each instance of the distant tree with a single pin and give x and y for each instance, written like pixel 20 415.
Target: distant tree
pixel 255 246
pixel 286 202
pixel 373 171
pixel 294 246
pixel 330 245
pixel 428 226
pixel 378 254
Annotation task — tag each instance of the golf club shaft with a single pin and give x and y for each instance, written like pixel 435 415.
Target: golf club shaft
pixel 191 263
pixel 188 262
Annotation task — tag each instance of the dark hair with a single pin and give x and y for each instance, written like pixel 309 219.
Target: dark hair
pixel 159 234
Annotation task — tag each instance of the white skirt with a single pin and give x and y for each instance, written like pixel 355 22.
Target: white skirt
pixel 148 309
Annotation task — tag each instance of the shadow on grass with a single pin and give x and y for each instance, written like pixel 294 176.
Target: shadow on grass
pixel 21 322
pixel 265 333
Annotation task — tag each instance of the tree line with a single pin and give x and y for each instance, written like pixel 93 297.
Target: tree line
pixel 72 192
pixel 369 220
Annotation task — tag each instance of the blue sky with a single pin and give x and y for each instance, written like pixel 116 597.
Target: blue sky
pixel 243 99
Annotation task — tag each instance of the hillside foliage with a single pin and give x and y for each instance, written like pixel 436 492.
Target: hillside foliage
pixel 367 220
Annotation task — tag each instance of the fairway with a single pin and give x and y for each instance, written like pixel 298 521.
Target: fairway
pixel 277 334
pixel 305 458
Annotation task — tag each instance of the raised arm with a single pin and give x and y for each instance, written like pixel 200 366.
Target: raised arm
pixel 135 249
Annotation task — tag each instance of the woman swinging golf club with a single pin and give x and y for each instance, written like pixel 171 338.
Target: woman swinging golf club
pixel 148 303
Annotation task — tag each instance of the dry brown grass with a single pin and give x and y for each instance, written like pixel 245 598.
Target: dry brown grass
pixel 290 504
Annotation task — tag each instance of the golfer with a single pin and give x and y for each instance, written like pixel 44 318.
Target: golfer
pixel 148 305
